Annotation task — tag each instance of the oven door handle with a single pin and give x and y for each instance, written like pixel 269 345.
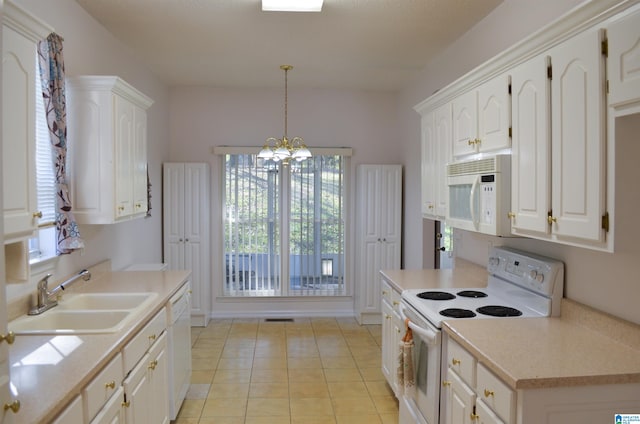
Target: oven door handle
pixel 429 336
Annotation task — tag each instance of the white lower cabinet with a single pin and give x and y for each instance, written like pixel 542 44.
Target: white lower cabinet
pixel 460 400
pixel 145 388
pixel 485 415
pixel 472 394
pixel 102 388
pixel 112 411
pixel 132 388
pixel 146 392
pixel 392 332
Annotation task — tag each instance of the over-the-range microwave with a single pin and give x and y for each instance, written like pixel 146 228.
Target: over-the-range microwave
pixel 480 195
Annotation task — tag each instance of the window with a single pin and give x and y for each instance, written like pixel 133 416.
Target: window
pixel 284 226
pixel 43 246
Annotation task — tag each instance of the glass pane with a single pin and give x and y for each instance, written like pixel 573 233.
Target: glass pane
pixel 251 227
pixel 316 225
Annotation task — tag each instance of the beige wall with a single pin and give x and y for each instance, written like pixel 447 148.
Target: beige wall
pixel 605 281
pixel 89 49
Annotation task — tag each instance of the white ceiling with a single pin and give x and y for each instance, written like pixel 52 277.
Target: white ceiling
pixel 363 44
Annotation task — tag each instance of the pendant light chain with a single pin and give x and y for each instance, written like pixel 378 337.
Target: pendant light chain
pixel 285 149
pixel 286 72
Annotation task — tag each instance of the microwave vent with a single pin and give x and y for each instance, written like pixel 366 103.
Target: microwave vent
pixel 479 166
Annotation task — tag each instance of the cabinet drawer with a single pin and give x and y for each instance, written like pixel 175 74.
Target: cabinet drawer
pixel 385 295
pixel 497 395
pixel 142 341
pixel 461 362
pixel 395 301
pixel 102 387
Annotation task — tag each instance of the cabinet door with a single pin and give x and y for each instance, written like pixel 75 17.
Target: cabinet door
pixel 371 225
pixel 158 381
pixel 112 412
pixel 18 134
pixel 443 155
pixel 173 217
pixel 124 140
pixel 391 180
pixel 485 415
pixel 465 123
pixel 139 161
pixel 624 60
pixel 494 114
pixel 196 235
pixel 380 209
pixel 428 166
pixel 389 349
pixel 137 394
pixel 460 400
pixel 577 104
pixel 531 147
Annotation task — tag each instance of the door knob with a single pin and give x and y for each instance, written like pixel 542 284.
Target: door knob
pixel 441 249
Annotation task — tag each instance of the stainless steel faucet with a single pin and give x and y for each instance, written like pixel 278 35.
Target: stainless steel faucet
pixel 45 297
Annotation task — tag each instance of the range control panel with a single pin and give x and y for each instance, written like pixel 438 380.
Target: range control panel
pixel 540 274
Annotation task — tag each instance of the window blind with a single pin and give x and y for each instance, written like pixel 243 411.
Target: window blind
pixel 45 175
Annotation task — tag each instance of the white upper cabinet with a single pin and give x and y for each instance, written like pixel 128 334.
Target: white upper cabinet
pixel 578 138
pixel 428 165
pixel 624 63
pixel 436 153
pixel 558 155
pixel 442 147
pixel 494 114
pixel 482 118
pixel 107 149
pixel 20 34
pixel 465 123
pixel 531 149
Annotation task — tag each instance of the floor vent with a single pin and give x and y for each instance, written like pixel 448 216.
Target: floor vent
pixel 278 319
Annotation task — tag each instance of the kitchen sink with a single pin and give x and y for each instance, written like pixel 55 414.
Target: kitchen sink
pixel 85 313
pixel 105 301
pixel 71 322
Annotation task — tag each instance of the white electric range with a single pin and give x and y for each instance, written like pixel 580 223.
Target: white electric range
pixel 520 285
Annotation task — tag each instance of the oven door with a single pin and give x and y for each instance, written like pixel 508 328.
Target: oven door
pixel 422 404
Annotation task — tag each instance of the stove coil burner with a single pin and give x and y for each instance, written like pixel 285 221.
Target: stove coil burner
pixel 436 295
pixel 457 313
pixel 499 311
pixel 471 293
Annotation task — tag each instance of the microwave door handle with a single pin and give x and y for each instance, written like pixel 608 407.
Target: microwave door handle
pixel 472 196
pixel 429 336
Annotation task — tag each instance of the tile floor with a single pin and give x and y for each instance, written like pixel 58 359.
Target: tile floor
pixel 316 371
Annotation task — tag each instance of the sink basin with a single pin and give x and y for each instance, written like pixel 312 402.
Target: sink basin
pixel 70 322
pixel 105 301
pixel 85 313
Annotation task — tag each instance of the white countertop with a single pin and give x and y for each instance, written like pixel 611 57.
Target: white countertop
pixel 49 371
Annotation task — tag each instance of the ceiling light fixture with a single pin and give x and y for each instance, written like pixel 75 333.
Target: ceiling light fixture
pixel 283 148
pixel 292 5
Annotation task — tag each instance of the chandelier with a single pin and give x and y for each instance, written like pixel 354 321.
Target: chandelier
pixel 284 149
